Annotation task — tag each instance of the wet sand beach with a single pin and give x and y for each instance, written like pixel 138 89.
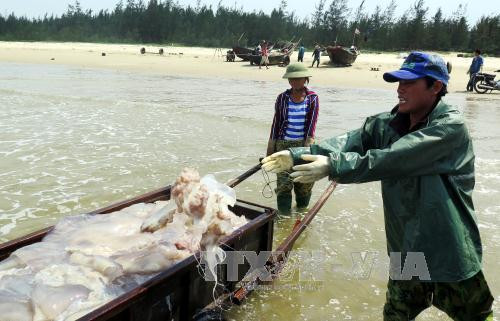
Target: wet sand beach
pixel 206 62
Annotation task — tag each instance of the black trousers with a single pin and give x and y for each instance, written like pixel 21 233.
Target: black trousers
pixel 470 84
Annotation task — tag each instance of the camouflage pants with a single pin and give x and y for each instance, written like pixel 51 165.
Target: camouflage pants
pixel 285 184
pixel 467 300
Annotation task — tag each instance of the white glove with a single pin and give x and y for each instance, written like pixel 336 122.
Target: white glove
pixel 278 162
pixel 314 171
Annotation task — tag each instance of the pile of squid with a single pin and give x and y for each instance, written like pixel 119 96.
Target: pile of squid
pixel 88 260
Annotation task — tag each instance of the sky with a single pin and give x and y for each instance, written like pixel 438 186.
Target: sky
pixel 302 8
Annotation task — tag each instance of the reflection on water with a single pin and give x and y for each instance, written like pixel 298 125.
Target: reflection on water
pixel 78 139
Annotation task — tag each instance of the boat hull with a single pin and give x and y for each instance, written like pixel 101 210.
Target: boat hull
pixel 243 53
pixel 273 59
pixel 341 56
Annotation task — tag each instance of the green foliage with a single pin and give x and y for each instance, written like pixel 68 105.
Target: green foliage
pixel 166 21
pixel 486 35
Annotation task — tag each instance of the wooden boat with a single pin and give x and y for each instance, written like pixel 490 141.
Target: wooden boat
pixel 274 58
pixel 178 292
pixel 341 56
pixel 243 53
pixel 277 55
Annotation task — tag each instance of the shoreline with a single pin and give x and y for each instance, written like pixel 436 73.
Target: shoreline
pixel 207 63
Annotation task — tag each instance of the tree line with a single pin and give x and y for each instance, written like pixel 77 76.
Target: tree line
pixel 165 22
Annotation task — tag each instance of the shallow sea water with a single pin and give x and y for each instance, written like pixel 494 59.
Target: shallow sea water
pixel 74 140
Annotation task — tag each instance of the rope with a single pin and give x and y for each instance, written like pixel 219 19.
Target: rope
pixel 267 190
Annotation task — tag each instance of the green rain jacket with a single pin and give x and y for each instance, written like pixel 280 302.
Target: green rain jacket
pixel 427 177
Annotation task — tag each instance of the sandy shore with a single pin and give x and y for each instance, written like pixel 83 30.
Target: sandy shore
pixel 206 62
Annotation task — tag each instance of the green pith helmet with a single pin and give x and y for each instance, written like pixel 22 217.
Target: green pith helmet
pixel 297 70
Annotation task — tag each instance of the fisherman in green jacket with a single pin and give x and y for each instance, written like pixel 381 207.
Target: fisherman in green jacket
pixel 422 153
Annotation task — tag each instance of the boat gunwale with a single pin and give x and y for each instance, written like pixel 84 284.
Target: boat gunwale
pixel 340 55
pixel 128 299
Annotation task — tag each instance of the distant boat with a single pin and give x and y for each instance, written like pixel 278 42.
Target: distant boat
pixel 243 53
pixel 275 58
pixel 246 54
pixel 342 56
pixel 346 56
pixel 279 53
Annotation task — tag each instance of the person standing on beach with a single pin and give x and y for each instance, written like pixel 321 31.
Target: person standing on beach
pixel 316 54
pixel 475 67
pixel 294 124
pixel 265 55
pixel 258 49
pixel 422 153
pixel 302 50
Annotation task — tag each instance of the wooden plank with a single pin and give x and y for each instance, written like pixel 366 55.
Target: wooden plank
pixel 284 248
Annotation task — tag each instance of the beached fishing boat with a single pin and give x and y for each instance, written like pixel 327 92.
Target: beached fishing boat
pixel 278 55
pixel 243 53
pixel 341 56
pixel 275 58
pixel 180 291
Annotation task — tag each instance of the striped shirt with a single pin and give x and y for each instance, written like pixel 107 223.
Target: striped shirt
pixel 280 121
pixel 296 120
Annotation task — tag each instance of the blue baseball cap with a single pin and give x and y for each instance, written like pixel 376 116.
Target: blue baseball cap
pixel 418 65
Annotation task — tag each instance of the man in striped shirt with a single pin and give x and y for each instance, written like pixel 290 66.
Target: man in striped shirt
pixel 294 125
